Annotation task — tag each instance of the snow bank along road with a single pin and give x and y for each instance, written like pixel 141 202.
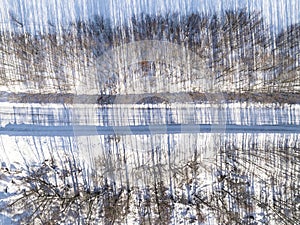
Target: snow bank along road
pixel 23 119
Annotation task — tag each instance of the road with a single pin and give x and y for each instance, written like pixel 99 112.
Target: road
pixel 37 130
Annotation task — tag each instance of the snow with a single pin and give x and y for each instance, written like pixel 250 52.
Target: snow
pixel 245 148
pixel 35 15
pixel 134 115
pixel 173 150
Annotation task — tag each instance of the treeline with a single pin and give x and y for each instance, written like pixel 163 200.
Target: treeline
pixel 237 46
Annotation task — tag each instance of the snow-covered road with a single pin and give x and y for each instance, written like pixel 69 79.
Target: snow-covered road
pixel 36 130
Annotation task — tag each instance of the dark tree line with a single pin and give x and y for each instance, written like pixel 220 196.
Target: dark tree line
pixel 238 46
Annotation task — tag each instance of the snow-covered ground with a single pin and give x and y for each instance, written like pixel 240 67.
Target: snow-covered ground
pixel 224 159
pixel 260 158
pixel 36 15
pixel 139 114
pixel 141 163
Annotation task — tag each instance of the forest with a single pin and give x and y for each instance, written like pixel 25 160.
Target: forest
pixel 97 73
pixel 239 49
